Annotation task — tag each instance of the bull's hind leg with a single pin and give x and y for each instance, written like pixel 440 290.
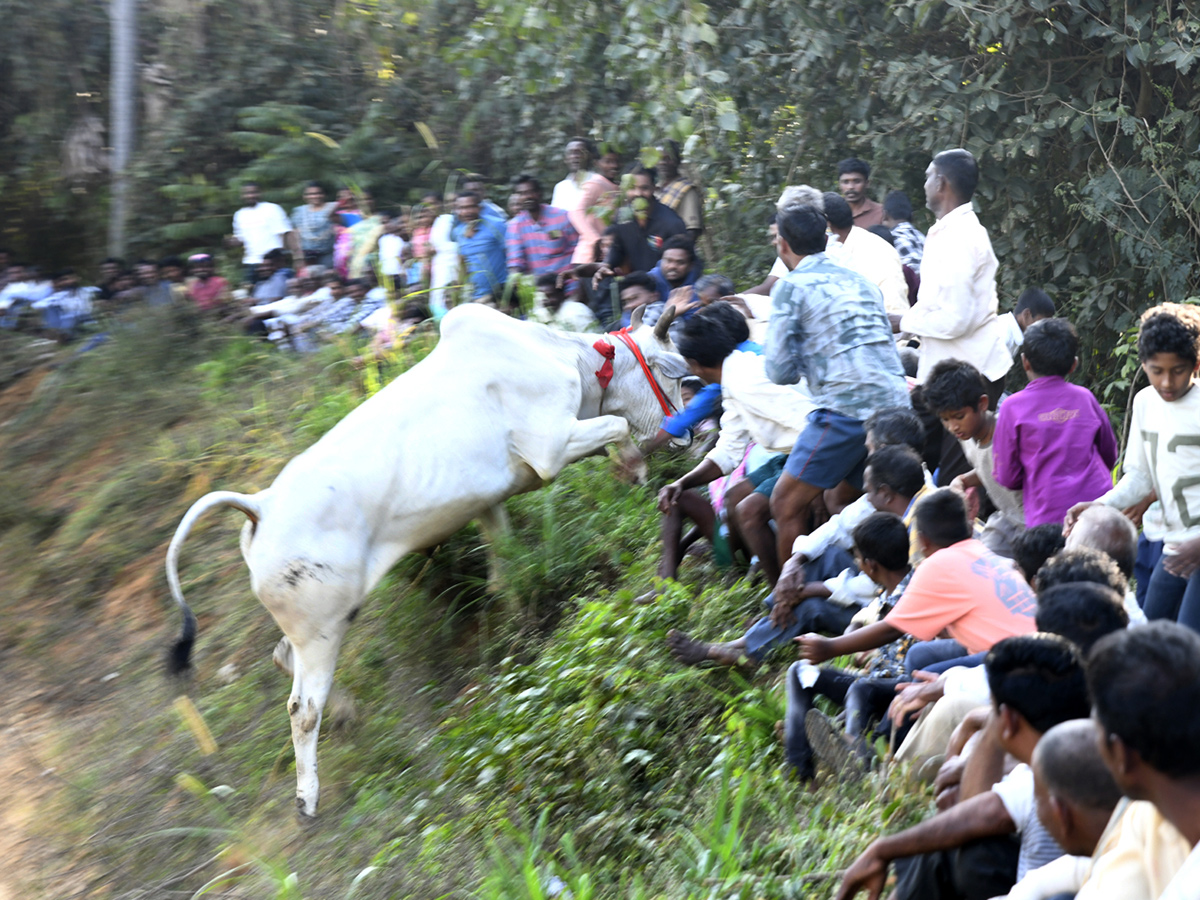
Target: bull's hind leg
pixel 341 709
pixel 313 662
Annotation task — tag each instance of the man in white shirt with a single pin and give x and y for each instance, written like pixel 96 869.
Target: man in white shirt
pixel 1145 689
pixel 867 254
pixel 792 195
pixel 955 312
pixel 1036 682
pixel 260 227
pixel 579 155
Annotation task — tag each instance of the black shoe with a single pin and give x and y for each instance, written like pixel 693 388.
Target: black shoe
pixel 831 746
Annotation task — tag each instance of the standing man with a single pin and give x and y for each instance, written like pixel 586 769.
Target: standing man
pixel 867 254
pixel 854 177
pixel 259 227
pixel 480 241
pixel 476 183
pixel 908 241
pixel 540 239
pixel 828 326
pixel 597 206
pixel 955 313
pixel 640 241
pixel 314 225
pixel 579 155
pixel 676 192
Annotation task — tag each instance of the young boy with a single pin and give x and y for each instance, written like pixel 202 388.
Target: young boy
pixel 1033 305
pixel 881 548
pixel 1053 442
pixel 1162 454
pixel 957 394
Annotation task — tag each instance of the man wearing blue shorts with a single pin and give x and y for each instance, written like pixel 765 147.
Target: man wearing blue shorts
pixel 829 327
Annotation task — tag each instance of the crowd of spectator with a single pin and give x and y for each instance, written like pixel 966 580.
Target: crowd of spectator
pixel 963 551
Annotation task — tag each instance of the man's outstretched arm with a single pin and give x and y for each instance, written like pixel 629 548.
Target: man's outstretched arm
pixel 981 816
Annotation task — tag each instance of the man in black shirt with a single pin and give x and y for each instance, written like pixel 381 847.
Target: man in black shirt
pixel 638 242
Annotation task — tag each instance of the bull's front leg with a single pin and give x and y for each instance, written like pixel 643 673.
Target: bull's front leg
pixel 493 523
pixel 590 436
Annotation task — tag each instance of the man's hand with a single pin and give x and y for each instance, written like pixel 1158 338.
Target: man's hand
pixel 949 777
pixel 740 304
pixel 915 695
pixel 669 496
pixel 601 273
pixel 791 581
pixel 867 873
pixel 958 485
pixel 1073 516
pixel 1134 513
pixel 814 648
pixel 683 299
pixel 1185 560
pixel 976 720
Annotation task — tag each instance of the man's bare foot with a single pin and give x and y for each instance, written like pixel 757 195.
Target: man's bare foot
pixel 691 652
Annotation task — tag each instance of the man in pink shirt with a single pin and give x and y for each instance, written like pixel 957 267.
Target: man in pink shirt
pixel 961 588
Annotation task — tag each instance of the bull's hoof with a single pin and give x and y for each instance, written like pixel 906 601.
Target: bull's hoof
pixel 306 819
pixel 340 709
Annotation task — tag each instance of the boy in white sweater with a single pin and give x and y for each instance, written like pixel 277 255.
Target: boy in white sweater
pixel 1162 454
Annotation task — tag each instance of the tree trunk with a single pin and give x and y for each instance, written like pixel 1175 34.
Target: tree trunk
pixel 123 18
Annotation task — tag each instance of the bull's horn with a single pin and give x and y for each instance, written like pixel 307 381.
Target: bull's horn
pixel 635 321
pixel 663 323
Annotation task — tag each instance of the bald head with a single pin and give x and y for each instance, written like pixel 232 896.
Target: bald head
pixel 1107 530
pixel 1067 762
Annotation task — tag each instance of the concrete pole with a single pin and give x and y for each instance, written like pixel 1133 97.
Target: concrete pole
pixel 122 96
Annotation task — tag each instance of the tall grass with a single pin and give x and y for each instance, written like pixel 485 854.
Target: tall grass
pixel 534 743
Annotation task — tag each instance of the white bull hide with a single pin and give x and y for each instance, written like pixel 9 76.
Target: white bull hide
pixel 498 408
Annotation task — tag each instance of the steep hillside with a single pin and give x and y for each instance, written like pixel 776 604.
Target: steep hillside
pixel 488 745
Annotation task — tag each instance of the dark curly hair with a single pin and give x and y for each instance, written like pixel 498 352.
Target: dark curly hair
pixel 1170 328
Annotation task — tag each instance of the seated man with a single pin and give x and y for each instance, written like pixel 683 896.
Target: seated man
pixel 1121 849
pixel 715 344
pixel 826 551
pixel 894 476
pixel 1082 612
pixel 1145 683
pixel 961 588
pixel 881 547
pixel 68 307
pixel 560 311
pixel 1036 683
pixel 1073 600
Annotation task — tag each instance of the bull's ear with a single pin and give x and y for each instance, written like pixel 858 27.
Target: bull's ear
pixel 673 365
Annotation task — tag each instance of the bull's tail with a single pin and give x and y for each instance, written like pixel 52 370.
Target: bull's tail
pixel 179 657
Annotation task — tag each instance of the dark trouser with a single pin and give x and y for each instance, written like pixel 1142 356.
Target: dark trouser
pixel 1148 555
pixel 1173 598
pixel 924 654
pixel 966 662
pixel 812 615
pixel 978 870
pixel 865 699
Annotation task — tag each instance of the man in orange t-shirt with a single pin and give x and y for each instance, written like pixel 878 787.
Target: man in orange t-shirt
pixel 962 589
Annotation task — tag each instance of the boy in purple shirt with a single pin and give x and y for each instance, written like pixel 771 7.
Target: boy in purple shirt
pixel 1053 441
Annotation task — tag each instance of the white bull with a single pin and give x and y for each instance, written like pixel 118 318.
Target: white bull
pixel 498 408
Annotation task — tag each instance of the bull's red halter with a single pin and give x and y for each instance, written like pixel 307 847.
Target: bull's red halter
pixel 605 373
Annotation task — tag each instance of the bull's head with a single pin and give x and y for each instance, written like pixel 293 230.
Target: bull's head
pixel 666 364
